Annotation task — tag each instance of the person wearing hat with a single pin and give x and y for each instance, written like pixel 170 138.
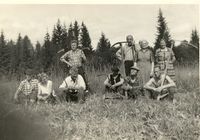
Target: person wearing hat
pixel 113 80
pixel 46 93
pixel 145 61
pixel 73 86
pixel 27 89
pixel 131 85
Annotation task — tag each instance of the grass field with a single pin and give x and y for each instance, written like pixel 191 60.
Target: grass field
pixel 98 119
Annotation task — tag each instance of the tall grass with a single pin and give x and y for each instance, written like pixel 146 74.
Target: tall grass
pixel 99 119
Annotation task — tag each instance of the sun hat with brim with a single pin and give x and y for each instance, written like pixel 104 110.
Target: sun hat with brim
pixel 115 69
pixel 135 68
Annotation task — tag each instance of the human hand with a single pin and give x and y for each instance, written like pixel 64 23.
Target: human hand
pixel 151 74
pixel 112 87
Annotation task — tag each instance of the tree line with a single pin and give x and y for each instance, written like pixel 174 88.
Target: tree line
pixel 17 56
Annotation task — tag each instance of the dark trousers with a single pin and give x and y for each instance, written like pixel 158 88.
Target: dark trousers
pixel 128 64
pixel 71 95
pixel 108 89
pixel 81 71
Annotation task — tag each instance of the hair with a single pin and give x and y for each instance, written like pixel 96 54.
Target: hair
pixel 74 41
pixel 129 36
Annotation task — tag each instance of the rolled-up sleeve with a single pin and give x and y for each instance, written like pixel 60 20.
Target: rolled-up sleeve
pixel 63 85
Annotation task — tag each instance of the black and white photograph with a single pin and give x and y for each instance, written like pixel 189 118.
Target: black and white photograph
pixel 99 71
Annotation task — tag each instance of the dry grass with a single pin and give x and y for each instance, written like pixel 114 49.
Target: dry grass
pixel 98 119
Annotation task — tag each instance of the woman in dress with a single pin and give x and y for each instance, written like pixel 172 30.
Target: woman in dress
pixel 165 57
pixel 145 61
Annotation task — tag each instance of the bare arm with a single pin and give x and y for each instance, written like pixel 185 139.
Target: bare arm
pixel 63 59
pixel 170 81
pixel 148 85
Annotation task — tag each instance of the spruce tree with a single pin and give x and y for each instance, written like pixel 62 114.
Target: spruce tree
pixel 162 31
pixel 86 41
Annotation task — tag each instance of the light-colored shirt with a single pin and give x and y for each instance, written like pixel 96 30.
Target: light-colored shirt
pixel 78 83
pixel 127 53
pixel 27 87
pixel 74 57
pixel 44 91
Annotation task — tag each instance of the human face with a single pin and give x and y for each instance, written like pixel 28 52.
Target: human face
pixel 130 40
pixel 162 44
pixel 157 72
pixel 143 44
pixel 74 46
pixel 44 80
pixel 115 73
pixel 28 77
pixel 133 72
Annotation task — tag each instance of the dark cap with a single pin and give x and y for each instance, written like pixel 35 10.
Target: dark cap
pixel 115 69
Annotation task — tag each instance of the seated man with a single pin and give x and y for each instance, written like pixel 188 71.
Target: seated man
pixel 27 90
pixel 73 86
pixel 131 86
pixel 46 93
pixel 156 89
pixel 113 81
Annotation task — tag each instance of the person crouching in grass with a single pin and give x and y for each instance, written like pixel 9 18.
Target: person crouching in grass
pixel 46 93
pixel 113 81
pixel 73 87
pixel 154 87
pixel 131 86
pixel 27 90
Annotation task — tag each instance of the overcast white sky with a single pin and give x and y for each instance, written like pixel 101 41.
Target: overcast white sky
pixel 116 21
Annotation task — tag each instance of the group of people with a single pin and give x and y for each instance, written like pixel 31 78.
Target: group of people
pixel 139 65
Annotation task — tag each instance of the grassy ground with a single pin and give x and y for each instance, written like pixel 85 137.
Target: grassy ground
pixel 99 119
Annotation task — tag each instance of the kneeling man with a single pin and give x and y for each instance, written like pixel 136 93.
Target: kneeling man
pixel 73 87
pixel 160 85
pixel 131 87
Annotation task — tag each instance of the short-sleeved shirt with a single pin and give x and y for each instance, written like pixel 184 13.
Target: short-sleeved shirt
pixel 78 83
pixel 27 87
pixel 75 57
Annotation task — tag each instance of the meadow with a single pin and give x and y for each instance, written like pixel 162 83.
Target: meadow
pixel 98 119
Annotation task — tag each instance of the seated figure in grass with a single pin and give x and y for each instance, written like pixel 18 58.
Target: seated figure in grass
pixel 27 90
pixel 131 86
pixel 160 86
pixel 73 87
pixel 113 81
pixel 46 93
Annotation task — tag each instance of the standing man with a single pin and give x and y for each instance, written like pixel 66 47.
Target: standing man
pixel 128 54
pixel 27 89
pixel 75 57
pixel 160 84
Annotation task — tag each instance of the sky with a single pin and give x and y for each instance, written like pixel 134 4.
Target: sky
pixel 115 21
